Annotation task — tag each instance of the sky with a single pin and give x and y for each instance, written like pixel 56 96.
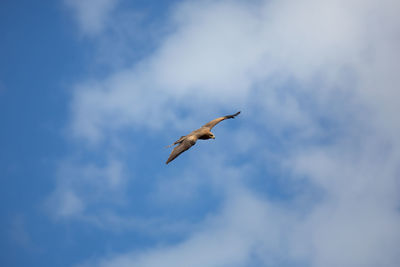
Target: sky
pixel 91 92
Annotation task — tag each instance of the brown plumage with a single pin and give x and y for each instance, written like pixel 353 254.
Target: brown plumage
pixel 204 133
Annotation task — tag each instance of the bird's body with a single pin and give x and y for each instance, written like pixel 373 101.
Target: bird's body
pixel 203 133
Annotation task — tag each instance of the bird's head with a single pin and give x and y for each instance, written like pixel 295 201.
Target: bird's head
pixel 212 136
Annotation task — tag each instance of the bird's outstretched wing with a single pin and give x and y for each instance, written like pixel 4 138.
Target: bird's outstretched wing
pixel 182 147
pixel 212 123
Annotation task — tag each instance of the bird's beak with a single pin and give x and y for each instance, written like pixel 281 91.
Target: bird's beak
pixel 213 137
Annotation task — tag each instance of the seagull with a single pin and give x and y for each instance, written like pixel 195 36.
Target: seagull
pixel 203 133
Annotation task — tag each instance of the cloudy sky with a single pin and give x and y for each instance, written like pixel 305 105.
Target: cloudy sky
pixel 91 92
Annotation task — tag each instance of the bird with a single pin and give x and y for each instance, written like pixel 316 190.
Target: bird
pixel 203 133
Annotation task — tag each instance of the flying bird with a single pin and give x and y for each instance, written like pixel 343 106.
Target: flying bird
pixel 203 133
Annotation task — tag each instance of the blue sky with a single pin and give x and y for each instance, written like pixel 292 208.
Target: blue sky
pixel 92 91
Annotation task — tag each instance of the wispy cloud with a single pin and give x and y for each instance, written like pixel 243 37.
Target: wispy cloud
pixel 247 229
pixel 92 15
pixel 19 234
pixel 317 84
pixel 83 186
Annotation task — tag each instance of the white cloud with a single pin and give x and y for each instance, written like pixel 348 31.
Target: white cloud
pixel 226 239
pixel 219 53
pixel 358 221
pixel 352 220
pixel 69 204
pixel 320 77
pixel 82 186
pixel 92 15
pixel 19 234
